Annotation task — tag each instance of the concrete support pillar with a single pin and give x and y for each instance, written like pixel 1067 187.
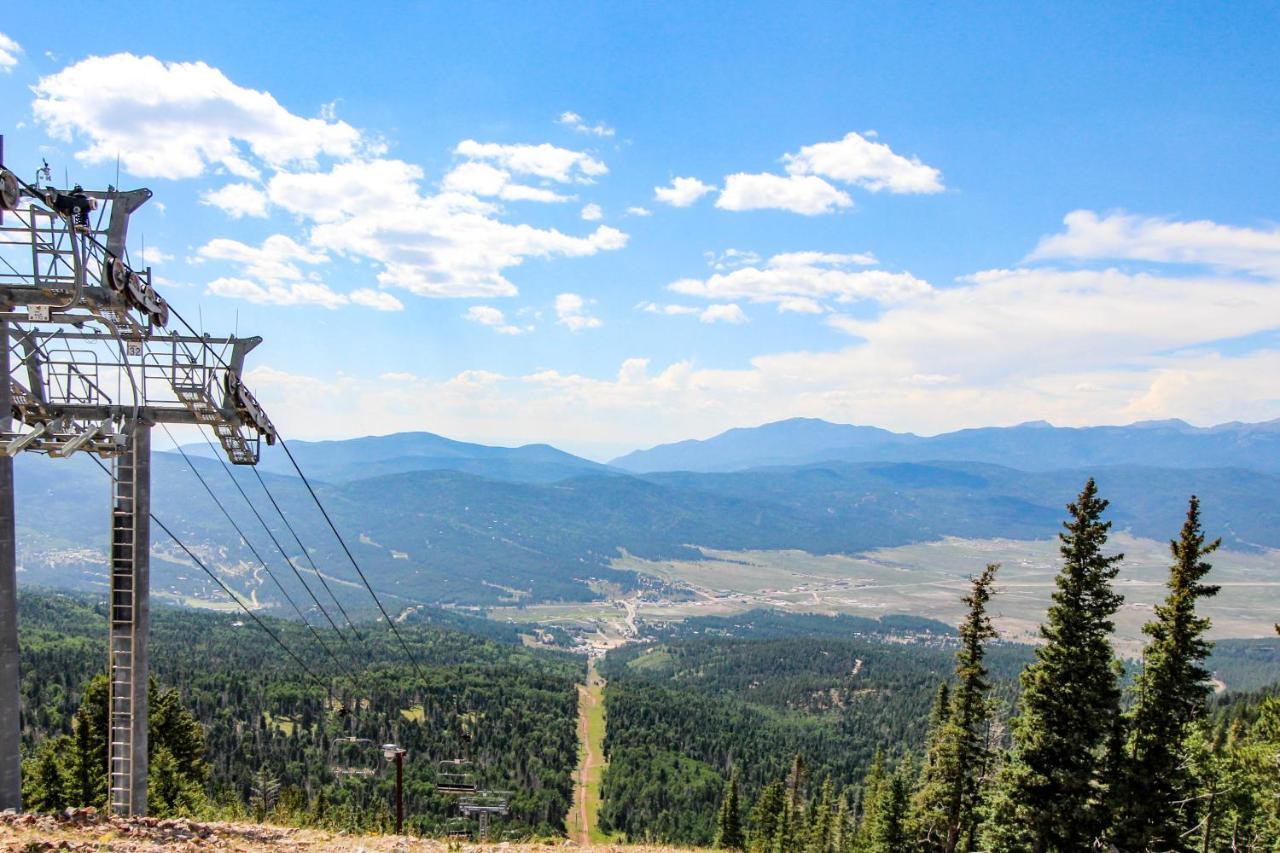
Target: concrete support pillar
pixel 10 697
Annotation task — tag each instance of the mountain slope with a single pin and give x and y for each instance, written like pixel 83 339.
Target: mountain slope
pixel 371 456
pixel 1031 447
pixel 451 537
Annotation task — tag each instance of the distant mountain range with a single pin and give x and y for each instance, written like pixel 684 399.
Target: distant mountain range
pixel 447 535
pixel 1029 447
pixel 400 453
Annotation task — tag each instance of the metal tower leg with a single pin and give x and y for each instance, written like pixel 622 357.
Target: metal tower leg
pixel 10 698
pixel 130 579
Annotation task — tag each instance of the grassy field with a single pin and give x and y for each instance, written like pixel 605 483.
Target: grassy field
pixel 927 579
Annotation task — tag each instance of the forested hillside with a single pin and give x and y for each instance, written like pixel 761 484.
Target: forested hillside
pixel 267 725
pixel 958 742
pixel 684 713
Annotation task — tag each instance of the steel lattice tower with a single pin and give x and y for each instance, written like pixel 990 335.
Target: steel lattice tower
pixel 87 365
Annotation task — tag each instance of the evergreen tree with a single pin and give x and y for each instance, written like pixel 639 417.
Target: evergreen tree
pixel 767 815
pixel 951 782
pixel 890 827
pixel 88 760
pixel 1048 793
pixel 1170 698
pixel 729 822
pixel 822 817
pixel 870 797
pixel 45 781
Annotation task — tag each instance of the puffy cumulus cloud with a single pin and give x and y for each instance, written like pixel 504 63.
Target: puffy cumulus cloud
pixel 176 119
pixel 861 162
pixel 276 259
pixel 571 312
pixel 277 293
pixel 807 189
pixel 1120 236
pixel 682 192
pixel 575 121
pixel 378 299
pixel 805 194
pixel 802 281
pixel 10 50
pixel 238 200
pixel 729 313
pixel 636 210
pixel 592 212
pixel 487 315
pixel 446 244
pixel 543 161
pixel 272 274
pixel 483 179
pixel 1074 347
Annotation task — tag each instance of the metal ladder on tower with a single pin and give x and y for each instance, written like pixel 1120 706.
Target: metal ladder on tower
pixel 123 639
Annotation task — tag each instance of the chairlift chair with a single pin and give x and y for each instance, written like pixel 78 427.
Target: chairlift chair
pixel 352 757
pixel 456 776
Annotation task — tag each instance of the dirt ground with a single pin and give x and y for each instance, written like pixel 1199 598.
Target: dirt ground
pixel 86 829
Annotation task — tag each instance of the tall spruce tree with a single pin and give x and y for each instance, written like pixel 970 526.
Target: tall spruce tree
pixel 767 816
pixel 951 783
pixel 890 827
pixel 1156 809
pixel 1051 793
pixel 729 821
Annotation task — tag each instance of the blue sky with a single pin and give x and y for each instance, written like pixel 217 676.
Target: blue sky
pixel 892 214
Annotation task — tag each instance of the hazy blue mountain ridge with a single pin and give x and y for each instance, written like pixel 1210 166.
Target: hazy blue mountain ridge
pixel 1034 446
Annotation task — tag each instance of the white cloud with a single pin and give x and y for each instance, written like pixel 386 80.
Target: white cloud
pixel 378 299
pixel 805 194
pixel 270 274
pixel 729 313
pixel 669 310
pixel 238 200
pixel 1121 236
pixel 571 311
pixel 575 121
pixel 732 259
pixel 800 281
pixel 9 52
pixel 639 211
pixel 682 192
pixel 872 165
pixel 277 293
pixel 276 259
pixel 544 161
pixel 809 259
pixel 487 315
pixel 176 119
pixel 483 179
pixel 1075 347
pixel 592 212
pixel 450 244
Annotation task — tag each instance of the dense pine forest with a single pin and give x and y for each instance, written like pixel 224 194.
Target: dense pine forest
pixel 240 730
pixel 764 731
pixel 1082 758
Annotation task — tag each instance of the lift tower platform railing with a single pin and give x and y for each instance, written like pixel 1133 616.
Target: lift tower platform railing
pixel 86 365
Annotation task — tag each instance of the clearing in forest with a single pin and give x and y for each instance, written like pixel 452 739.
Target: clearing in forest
pixel 581 822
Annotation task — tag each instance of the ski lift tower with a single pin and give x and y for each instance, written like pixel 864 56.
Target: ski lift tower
pixel 86 365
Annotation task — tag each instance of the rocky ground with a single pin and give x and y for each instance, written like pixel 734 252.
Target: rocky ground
pixel 87 829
